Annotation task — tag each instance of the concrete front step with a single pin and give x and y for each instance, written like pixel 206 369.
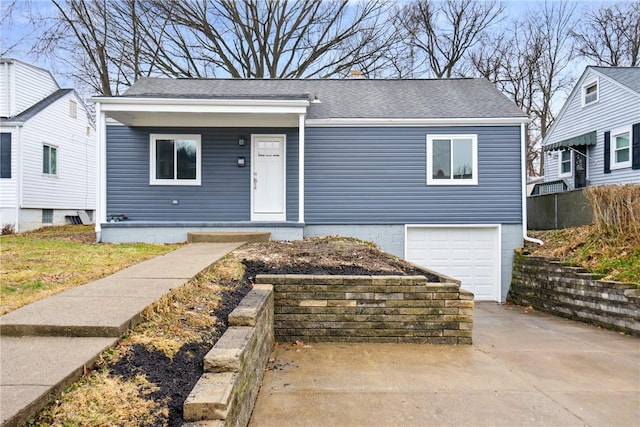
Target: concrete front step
pixel 228 237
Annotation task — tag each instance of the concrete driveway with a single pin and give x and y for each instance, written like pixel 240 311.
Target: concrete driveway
pixel 524 369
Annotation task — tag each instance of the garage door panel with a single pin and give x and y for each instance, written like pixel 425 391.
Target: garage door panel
pixel 470 254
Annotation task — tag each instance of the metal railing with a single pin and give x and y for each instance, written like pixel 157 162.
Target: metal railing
pixel 557 186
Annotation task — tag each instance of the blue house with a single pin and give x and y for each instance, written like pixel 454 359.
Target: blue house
pixel 430 170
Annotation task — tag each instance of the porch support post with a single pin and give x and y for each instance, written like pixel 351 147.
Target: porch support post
pixel 301 168
pixel 101 168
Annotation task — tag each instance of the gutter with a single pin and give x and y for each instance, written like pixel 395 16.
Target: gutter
pixel 523 167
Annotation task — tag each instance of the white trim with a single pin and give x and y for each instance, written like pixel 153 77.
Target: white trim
pixel 360 122
pixel 523 183
pixel 269 217
pixel 57 148
pixel 301 137
pixel 174 181
pixel 498 290
pixel 451 181
pixel 101 165
pixel 198 105
pixel 20 178
pixel 571 165
pixel 584 87
pixel 617 132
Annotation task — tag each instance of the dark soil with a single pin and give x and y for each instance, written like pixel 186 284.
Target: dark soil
pixel 327 256
pixel 176 377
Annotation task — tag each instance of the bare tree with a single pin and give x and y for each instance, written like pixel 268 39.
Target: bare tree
pixel 611 35
pixel 531 63
pixel 9 9
pixel 282 39
pixel 438 35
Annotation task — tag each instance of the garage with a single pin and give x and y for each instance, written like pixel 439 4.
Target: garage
pixel 468 253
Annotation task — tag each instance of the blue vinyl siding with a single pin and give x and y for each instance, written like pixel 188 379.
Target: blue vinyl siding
pixel 377 175
pixel 225 191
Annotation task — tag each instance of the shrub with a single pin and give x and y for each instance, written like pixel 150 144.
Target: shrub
pixel 8 229
pixel 616 208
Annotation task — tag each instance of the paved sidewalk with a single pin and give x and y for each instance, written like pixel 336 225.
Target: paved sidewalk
pixel 524 369
pixel 46 345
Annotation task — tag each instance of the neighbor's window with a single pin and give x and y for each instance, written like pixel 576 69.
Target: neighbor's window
pixel 175 159
pixel 565 163
pixel 452 159
pixel 73 109
pixel 590 92
pixel 49 160
pixel 621 148
pixel 5 155
pixel 47 216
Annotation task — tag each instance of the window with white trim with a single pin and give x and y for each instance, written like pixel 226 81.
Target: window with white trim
pixel 175 159
pixel 49 160
pixel 590 92
pixel 73 109
pixel 452 159
pixel 621 148
pixel 565 163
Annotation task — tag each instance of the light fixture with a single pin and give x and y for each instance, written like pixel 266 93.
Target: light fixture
pixel 241 141
pixel 315 99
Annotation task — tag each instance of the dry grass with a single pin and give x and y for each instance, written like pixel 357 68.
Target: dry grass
pixel 50 260
pixel 180 316
pixel 615 257
pixel 177 319
pixel 616 208
pixel 102 400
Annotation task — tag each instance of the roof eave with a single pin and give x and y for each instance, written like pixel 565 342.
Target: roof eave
pixel 468 121
pixel 169 101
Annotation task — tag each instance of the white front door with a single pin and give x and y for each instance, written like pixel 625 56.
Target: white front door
pixel 268 178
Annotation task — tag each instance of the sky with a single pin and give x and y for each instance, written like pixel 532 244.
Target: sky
pixel 19 30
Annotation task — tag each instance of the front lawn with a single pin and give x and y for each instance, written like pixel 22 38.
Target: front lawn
pixel 49 260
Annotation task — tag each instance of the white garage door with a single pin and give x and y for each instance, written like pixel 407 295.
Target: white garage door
pixel 470 254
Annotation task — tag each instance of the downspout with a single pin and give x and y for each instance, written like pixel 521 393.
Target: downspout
pixel 523 167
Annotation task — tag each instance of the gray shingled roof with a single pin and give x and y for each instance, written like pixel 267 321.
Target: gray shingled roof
pixel 350 98
pixel 39 106
pixel 628 76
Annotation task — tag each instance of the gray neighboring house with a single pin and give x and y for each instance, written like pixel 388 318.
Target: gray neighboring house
pixel 430 170
pixel 596 138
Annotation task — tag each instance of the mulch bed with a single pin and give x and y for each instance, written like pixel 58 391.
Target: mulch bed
pixel 176 377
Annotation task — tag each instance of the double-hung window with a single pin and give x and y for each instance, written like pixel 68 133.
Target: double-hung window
pixel 49 160
pixel 452 159
pixel 590 92
pixel 566 163
pixel 175 159
pixel 621 148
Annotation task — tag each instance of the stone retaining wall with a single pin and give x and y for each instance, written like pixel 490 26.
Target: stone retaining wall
pixel 549 285
pixel 370 309
pixel 225 394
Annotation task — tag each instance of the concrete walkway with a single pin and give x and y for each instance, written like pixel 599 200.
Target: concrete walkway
pixel 524 369
pixel 46 345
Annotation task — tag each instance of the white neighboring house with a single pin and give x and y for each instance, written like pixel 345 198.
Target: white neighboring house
pixel 47 150
pixel 596 138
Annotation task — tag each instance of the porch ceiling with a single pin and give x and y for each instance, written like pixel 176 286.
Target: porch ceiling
pixel 194 112
pixel 196 119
